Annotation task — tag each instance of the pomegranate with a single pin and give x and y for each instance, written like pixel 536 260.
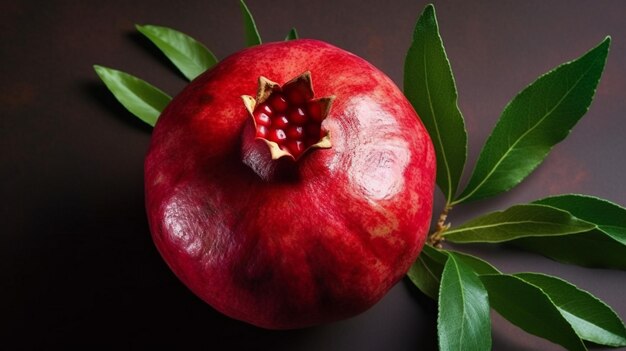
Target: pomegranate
pixel 290 185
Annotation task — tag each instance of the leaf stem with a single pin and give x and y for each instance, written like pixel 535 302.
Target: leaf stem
pixel 436 238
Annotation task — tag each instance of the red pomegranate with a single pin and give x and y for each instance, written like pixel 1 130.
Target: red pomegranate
pixel 290 185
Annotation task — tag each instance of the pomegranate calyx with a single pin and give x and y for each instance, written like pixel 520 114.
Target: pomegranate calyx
pixel 288 119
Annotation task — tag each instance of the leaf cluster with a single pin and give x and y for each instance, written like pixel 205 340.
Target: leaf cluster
pixel 190 57
pixel 572 228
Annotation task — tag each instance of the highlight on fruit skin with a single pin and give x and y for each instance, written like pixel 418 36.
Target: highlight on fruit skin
pixel 315 236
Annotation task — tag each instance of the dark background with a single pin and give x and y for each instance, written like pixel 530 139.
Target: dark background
pixel 77 265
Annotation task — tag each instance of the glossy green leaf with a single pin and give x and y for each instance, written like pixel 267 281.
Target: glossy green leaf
pixel 533 122
pixel 590 249
pixel 591 318
pixel 187 54
pixel 429 85
pixel 293 34
pixel 252 34
pixel 609 217
pixel 463 322
pixel 139 97
pixel 601 247
pixel 425 273
pixel 528 307
pixel 517 222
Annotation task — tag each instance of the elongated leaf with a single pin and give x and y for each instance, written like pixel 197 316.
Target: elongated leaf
pixel 293 34
pixel 517 222
pixel 426 276
pixel 139 97
pixel 425 273
pixel 590 249
pixel 609 217
pixel 601 247
pixel 526 306
pixel 533 122
pixel 187 54
pixel 591 318
pixel 252 34
pixel 463 322
pixel 429 85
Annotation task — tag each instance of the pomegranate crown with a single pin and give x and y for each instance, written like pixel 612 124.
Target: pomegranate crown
pixel 287 118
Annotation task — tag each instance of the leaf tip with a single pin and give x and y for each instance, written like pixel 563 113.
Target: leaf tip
pixel 428 12
pixel 143 28
pixel 604 44
pixel 294 33
pixel 99 69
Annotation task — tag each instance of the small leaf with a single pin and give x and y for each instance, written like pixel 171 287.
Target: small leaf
pixel 601 247
pixel 591 318
pixel 526 306
pixel 252 34
pixel 187 54
pixel 533 122
pixel 517 222
pixel 293 34
pixel 425 273
pixel 139 97
pixel 463 322
pixel 429 85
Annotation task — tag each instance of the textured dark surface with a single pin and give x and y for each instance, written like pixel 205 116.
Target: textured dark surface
pixel 77 265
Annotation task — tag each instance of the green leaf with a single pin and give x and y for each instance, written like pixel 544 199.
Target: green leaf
pixel 591 318
pixel 435 254
pixel 478 265
pixel 293 34
pixel 425 273
pixel 526 306
pixel 139 97
pixel 533 122
pixel 252 34
pixel 463 322
pixel 601 247
pixel 590 249
pixel 609 217
pixel 429 85
pixel 187 54
pixel 516 222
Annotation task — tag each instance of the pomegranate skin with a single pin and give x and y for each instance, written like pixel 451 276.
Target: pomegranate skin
pixel 321 246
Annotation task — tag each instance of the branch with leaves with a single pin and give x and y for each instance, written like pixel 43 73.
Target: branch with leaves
pixel 571 228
